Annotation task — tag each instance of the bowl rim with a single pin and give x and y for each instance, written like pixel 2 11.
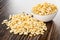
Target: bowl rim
pixel 44 15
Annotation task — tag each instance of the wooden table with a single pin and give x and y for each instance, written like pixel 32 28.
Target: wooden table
pixel 6 35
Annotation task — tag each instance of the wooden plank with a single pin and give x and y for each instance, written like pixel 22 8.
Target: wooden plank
pixel 2 32
pixel 54 33
pixel 25 37
pixel 36 37
pixel 28 38
pixel 6 36
pixel 13 37
pixel 49 35
pixel 22 37
pixel 18 37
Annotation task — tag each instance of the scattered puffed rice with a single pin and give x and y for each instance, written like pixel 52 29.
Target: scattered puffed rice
pixel 25 24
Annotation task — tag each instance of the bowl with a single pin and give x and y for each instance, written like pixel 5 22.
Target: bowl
pixel 45 18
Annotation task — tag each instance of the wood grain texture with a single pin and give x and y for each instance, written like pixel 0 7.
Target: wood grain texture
pixel 54 33
pixel 6 35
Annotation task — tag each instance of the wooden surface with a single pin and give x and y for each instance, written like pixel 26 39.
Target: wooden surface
pixel 6 35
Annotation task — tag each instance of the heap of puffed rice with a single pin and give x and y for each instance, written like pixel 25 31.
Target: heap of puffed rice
pixel 25 24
